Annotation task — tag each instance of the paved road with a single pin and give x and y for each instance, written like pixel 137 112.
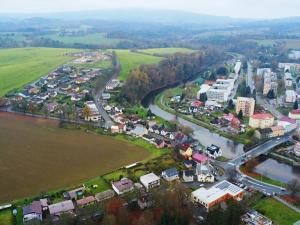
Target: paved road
pixel 264 103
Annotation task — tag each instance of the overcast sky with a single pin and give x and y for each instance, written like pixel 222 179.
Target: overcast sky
pixel 233 8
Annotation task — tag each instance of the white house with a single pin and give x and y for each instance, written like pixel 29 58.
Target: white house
pixel 213 151
pixel 150 181
pixel 33 212
pixel 188 176
pixel 203 174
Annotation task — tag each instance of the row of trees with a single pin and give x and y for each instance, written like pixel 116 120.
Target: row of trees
pixel 176 68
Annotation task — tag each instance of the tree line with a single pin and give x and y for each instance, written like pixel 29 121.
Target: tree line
pixel 174 69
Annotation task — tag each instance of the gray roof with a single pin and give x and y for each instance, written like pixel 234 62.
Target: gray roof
pixel 171 172
pixel 105 195
pixel 61 207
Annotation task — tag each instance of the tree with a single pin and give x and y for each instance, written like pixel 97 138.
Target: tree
pixel 173 125
pixel 240 114
pixel 187 130
pixel 251 164
pixel 230 104
pixel 87 112
pixel 248 91
pixel 295 106
pixel 271 94
pixel 32 108
pixel 203 97
pixel 109 219
pixel 294 187
pixel 222 71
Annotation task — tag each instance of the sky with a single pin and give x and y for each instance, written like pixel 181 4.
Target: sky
pixel 232 8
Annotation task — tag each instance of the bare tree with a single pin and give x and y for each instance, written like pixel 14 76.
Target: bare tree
pixel 294 187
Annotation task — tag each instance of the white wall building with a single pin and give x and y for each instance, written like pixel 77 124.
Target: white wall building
pixel 203 89
pixel 290 96
pixel 95 115
pixel 150 181
pixel 288 80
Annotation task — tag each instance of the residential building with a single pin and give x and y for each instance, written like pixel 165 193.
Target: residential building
pixel 297 149
pixel 238 67
pixel 75 194
pixel 86 201
pixel 261 120
pixel 203 174
pixel 188 175
pixel 277 131
pixel 203 89
pixel 294 54
pixel 123 186
pixel 287 123
pixel 150 181
pixel 213 151
pixel 139 130
pixel 262 71
pixel 145 202
pixel 200 158
pixel 290 96
pixel 247 106
pixel 270 83
pixel 295 114
pixel 33 212
pixel 288 80
pixel 170 174
pixel 255 218
pixel 94 115
pixel 218 193
pixel 61 207
pixel 102 196
pixel 264 133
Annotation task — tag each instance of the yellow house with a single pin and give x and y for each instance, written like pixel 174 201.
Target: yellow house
pixel 187 153
pixel 277 131
pixel 261 120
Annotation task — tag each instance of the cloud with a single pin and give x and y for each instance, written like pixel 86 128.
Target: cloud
pixel 233 8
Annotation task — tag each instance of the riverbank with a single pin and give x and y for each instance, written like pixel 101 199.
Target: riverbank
pixel 243 139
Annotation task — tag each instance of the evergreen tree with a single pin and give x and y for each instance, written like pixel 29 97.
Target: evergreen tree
pixel 271 94
pixel 203 97
pixel 295 105
pixel 240 114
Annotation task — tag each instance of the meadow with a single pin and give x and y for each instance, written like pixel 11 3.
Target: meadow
pixel 166 51
pixel 38 156
pixel 130 60
pixel 90 39
pixel 19 66
pixel 277 212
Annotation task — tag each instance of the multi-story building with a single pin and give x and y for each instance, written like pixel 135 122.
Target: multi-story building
pixel 297 149
pixel 261 71
pixel 221 90
pixel 261 120
pixel 290 96
pixel 295 114
pixel 247 106
pixel 270 83
pixel 288 80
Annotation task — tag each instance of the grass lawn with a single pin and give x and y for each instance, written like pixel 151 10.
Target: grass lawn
pixel 91 39
pixel 102 185
pixel 20 66
pixel 6 217
pixel 166 51
pixel 131 60
pixel 276 211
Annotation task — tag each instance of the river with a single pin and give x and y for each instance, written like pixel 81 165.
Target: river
pixel 230 148
pixel 278 171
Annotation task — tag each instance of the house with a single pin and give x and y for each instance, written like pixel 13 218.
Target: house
pixel 295 114
pixel 102 196
pixel 261 120
pixel 33 212
pixel 150 181
pixel 188 164
pixel 145 202
pixel 287 124
pixel 74 194
pixel 277 131
pixel 86 201
pixel 94 115
pixel 123 186
pixel 51 107
pixel 44 204
pixel 216 194
pixel 188 175
pixel 159 143
pixel 148 138
pixel 203 174
pixel 297 149
pixel 61 207
pixel 105 96
pixel 255 218
pixel 170 174
pixel 33 91
pixel 213 151
pixel 188 153
pixel 200 158
pixel 139 130
pixel 264 133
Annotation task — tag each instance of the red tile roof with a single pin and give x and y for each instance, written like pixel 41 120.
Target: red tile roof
pixel 295 111
pixel 262 116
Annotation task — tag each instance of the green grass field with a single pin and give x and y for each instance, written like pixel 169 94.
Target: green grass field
pixel 20 66
pixel 130 60
pixel 6 217
pixel 276 211
pixel 91 39
pixel 166 51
